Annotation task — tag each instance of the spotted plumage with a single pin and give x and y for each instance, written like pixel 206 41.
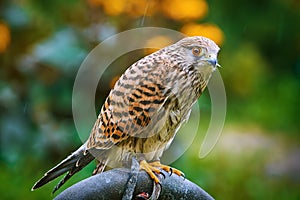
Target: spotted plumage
pixel 144 110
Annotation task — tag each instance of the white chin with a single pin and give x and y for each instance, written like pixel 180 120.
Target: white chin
pixel 214 68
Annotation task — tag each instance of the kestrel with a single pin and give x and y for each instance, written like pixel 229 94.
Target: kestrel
pixel 144 110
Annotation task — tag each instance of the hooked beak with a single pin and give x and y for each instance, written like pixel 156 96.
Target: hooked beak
pixel 213 62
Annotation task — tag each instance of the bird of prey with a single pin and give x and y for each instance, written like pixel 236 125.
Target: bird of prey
pixel 144 110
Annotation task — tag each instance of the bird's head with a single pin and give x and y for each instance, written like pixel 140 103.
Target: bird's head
pixel 199 52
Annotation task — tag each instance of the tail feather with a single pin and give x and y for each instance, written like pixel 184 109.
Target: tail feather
pixel 72 164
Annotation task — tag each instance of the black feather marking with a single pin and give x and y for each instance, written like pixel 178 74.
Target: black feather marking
pixel 72 164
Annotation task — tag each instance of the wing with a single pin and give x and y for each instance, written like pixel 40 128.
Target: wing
pixel 137 106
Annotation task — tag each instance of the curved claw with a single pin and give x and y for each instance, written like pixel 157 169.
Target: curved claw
pixel 183 175
pixel 155 168
pixel 163 174
pixel 171 171
pixel 167 168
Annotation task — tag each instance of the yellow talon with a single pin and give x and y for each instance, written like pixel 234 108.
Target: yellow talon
pixel 150 169
pixel 156 167
pixel 167 168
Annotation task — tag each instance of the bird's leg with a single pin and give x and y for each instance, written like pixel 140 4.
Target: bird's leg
pixel 151 170
pixel 167 168
pixel 131 183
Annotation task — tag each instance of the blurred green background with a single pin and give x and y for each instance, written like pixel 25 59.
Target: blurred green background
pixel 42 44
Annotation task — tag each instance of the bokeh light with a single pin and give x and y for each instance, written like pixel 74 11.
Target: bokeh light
pixel 4 37
pixel 208 30
pixel 185 10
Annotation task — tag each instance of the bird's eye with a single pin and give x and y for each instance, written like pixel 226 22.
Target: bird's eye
pixel 197 51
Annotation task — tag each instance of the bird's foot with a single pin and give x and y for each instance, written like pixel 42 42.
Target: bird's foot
pixel 167 168
pixel 154 168
pixel 151 170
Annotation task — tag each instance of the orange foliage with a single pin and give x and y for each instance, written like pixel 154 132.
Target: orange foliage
pixel 182 11
pixel 211 31
pixel 114 7
pixel 4 37
pixel 175 9
pixel 185 10
pixel 134 8
pixel 137 8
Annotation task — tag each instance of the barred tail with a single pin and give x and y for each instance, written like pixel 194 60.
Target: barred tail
pixel 72 164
